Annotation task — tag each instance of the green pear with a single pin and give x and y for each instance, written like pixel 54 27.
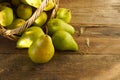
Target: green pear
pixel 64 14
pixel 58 24
pixel 24 11
pixel 41 20
pixel 16 23
pixel 34 3
pixel 42 50
pixel 49 6
pixel 29 36
pixel 6 15
pixel 64 41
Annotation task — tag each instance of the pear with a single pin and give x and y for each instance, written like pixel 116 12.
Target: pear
pixel 64 41
pixel 49 6
pixel 64 14
pixel 24 11
pixel 29 36
pixel 42 50
pixel 6 15
pixel 41 20
pixel 34 3
pixel 58 24
pixel 16 23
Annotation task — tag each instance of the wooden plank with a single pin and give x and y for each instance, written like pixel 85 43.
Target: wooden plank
pixel 94 12
pixel 98 32
pixel 99 45
pixel 62 66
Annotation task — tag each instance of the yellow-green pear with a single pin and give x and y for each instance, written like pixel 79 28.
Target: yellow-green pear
pixel 42 50
pixel 49 6
pixel 63 41
pixel 41 20
pixel 34 3
pixel 58 24
pixel 24 11
pixel 6 15
pixel 64 14
pixel 16 23
pixel 29 36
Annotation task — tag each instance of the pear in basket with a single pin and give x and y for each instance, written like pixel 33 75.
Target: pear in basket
pixel 34 3
pixel 6 15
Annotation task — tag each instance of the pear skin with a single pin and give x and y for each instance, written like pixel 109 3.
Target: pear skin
pixel 58 24
pixel 64 14
pixel 16 23
pixel 6 15
pixel 64 41
pixel 41 20
pixel 42 50
pixel 49 6
pixel 34 3
pixel 24 11
pixel 29 36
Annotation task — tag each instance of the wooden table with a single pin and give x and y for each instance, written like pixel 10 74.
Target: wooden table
pixel 100 60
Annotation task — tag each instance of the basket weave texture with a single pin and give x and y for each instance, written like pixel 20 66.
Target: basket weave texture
pixel 12 33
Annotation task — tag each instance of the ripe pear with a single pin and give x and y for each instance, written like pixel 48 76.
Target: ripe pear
pixel 29 36
pixel 34 3
pixel 49 6
pixel 16 23
pixel 64 14
pixel 24 11
pixel 41 20
pixel 6 15
pixel 42 50
pixel 58 24
pixel 64 41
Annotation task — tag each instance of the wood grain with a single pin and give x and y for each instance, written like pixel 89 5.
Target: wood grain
pixel 98 61
pixel 62 66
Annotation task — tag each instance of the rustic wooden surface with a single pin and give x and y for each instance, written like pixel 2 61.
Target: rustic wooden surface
pixel 98 61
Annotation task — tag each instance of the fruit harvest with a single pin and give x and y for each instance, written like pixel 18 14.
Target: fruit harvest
pixel 45 34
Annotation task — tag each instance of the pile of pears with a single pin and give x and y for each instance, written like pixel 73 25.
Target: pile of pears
pixel 40 39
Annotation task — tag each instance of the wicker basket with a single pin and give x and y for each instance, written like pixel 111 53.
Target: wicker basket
pixel 12 33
